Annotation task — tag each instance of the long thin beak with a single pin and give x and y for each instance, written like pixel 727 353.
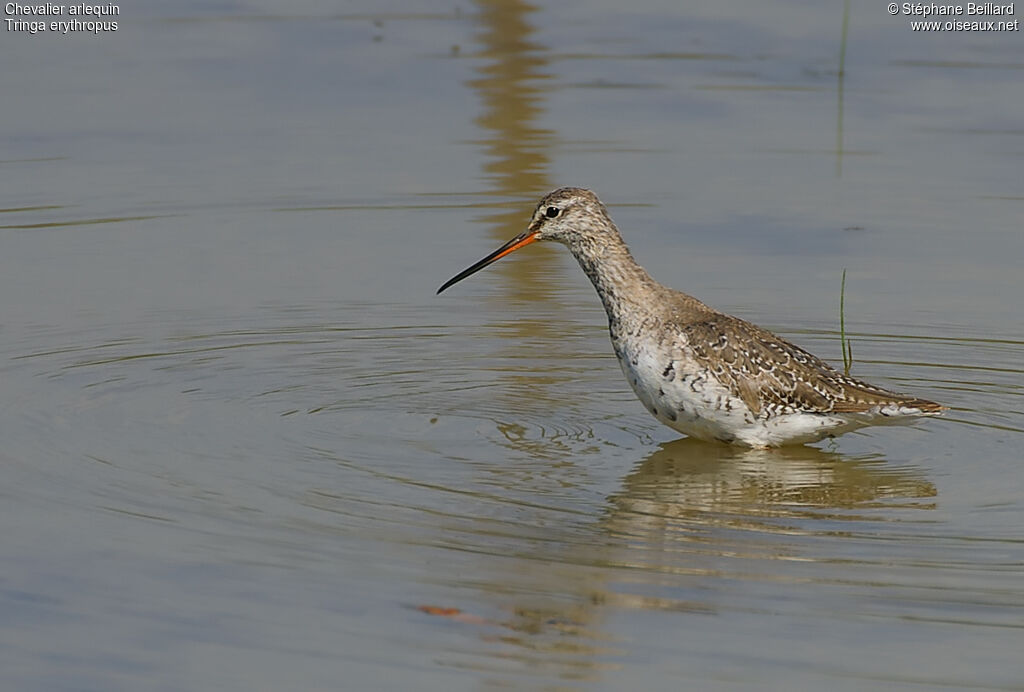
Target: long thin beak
pixel 522 240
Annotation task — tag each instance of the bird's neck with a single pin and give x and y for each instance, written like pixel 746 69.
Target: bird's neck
pixel 625 288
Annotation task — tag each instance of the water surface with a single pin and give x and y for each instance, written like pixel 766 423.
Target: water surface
pixel 247 447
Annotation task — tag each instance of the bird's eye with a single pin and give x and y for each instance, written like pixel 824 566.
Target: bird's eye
pixel 552 212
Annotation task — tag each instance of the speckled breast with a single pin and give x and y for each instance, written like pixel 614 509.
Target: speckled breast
pixel 681 395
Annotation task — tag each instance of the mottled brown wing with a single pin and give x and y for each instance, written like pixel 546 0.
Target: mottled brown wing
pixel 774 376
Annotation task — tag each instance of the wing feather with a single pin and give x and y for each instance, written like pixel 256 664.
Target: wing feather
pixel 773 376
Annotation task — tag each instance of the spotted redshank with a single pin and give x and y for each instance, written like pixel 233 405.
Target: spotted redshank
pixel 700 371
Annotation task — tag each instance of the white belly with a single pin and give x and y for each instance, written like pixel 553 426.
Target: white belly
pixel 694 403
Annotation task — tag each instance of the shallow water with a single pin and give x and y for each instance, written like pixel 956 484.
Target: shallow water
pixel 247 447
